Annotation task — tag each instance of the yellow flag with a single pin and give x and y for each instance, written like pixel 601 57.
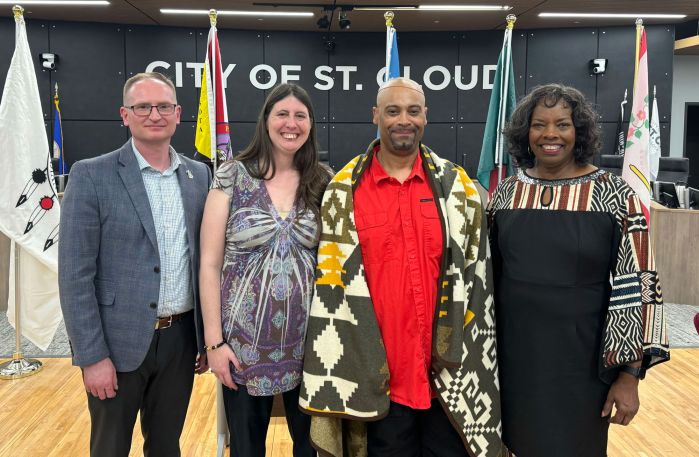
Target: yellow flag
pixel 202 139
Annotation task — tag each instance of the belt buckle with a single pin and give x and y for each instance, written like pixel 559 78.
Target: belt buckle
pixel 167 325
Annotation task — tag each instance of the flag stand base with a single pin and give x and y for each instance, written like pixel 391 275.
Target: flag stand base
pixel 19 367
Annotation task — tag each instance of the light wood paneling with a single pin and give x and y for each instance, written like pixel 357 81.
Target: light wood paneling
pixel 673 234
pixel 46 415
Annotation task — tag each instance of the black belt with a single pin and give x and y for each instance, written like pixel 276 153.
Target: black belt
pixel 167 321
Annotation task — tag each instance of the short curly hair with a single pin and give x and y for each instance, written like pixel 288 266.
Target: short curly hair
pixel 588 140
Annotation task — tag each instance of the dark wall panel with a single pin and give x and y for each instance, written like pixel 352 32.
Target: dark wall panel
pixel 146 44
pixel 241 135
pixel 38 38
pixel 88 90
pixel 617 44
pixel 437 53
pixel 85 139
pixel 469 139
pixel 476 50
pixel 323 135
pixel 183 141
pixel 441 138
pixel 562 56
pixel 245 50
pixel 366 51
pixel 347 141
pixel 304 50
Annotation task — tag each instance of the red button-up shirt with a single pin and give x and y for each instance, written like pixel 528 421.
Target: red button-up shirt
pixel 401 240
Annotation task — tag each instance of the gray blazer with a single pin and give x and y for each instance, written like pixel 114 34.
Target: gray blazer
pixel 108 260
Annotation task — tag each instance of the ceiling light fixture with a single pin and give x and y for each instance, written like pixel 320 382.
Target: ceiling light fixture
pixel 237 13
pixel 384 8
pixel 57 2
pixel 463 8
pixel 435 8
pixel 343 21
pixel 615 15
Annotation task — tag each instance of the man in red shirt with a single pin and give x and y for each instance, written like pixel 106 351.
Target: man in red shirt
pixel 400 234
pixel 401 339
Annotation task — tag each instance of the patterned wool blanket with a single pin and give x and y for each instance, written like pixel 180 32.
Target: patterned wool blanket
pixel 345 378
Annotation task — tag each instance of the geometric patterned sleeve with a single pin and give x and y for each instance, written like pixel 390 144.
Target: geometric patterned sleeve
pixel 635 327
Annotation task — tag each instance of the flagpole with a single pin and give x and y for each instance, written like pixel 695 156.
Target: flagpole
pixel 507 43
pixel 61 183
pixel 213 14
pixel 18 367
pixel 388 16
pixel 639 27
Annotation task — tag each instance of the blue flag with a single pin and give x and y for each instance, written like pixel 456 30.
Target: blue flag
pixel 58 136
pixel 392 61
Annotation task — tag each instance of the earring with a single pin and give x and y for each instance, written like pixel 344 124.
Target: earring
pixel 529 151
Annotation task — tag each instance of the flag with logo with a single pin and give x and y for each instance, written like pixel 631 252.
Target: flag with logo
pixel 58 136
pixel 654 149
pixel 619 136
pixel 212 137
pixel 28 200
pixel 636 163
pixel 494 164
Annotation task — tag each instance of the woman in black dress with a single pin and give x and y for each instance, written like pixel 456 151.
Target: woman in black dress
pixel 579 308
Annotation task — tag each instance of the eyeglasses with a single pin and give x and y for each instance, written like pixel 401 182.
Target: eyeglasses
pixel 144 109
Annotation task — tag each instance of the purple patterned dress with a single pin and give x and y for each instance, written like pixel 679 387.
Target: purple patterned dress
pixel 266 283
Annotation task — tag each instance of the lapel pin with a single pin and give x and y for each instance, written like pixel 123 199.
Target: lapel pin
pixel 189 174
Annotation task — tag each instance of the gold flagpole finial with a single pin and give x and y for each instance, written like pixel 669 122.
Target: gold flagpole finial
pixel 18 11
pixel 511 19
pixel 639 22
pixel 212 17
pixel 388 15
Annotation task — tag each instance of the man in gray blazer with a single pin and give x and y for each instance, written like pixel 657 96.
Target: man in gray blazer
pixel 128 268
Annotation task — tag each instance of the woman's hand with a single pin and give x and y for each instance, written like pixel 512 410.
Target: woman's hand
pixel 624 395
pixel 220 360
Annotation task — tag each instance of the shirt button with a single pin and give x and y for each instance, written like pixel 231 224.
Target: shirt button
pixel 153 305
pixel 156 269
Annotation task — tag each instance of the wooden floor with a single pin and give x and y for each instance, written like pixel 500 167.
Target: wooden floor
pixel 46 415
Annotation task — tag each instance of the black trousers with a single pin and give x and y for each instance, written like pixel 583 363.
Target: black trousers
pixel 160 389
pixel 248 419
pixel 407 432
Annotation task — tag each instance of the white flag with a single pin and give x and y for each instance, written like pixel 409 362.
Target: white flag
pixel 635 171
pixel 654 147
pixel 28 200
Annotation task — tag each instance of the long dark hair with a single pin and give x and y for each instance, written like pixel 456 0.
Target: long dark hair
pixel 588 141
pixel 258 158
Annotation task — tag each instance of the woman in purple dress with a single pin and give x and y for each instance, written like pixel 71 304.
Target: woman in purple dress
pixel 258 257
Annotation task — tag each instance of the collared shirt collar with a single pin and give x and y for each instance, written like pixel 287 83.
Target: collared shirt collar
pixel 143 163
pixel 378 173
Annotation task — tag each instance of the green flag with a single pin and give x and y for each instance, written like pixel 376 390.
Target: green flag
pixel 502 103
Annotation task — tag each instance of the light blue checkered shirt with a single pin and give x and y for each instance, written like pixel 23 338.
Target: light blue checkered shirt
pixel 165 199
